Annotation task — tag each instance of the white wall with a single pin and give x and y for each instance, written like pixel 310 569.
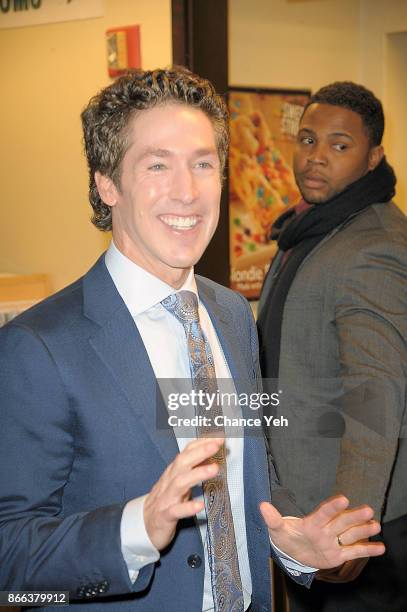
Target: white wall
pixel 377 19
pixel 275 43
pixel 396 102
pixel 48 73
pixel 384 69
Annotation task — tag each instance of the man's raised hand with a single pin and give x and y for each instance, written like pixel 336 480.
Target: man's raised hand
pixel 313 539
pixel 169 499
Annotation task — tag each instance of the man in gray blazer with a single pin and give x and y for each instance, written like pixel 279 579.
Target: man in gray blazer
pixel 333 328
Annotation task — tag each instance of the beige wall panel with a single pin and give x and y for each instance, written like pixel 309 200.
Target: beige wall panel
pixel 276 43
pixel 384 69
pixel 396 102
pixel 48 73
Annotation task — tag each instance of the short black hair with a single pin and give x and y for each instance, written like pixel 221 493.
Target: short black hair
pixel 357 99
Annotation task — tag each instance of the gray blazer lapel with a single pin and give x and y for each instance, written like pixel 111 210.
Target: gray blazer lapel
pixel 277 262
pixel 273 271
pixel 323 241
pixel 118 344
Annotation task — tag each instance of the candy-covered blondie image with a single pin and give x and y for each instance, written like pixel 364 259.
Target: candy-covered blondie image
pixel 261 181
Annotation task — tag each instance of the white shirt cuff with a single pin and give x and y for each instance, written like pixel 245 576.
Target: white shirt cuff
pixel 137 548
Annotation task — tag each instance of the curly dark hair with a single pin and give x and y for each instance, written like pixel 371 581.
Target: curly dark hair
pixel 106 119
pixel 357 99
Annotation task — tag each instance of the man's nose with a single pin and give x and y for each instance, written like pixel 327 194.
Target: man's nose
pixel 318 154
pixel 183 186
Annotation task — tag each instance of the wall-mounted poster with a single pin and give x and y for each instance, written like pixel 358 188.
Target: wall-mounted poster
pixel 263 130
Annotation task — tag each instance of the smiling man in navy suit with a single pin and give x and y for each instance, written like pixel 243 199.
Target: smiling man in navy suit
pixel 94 500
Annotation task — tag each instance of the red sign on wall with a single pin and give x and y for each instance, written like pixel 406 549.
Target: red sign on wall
pixel 123 49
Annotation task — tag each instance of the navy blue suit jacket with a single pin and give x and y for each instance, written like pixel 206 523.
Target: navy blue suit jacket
pixel 79 439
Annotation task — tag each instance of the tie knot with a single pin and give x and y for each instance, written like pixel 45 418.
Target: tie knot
pixel 184 305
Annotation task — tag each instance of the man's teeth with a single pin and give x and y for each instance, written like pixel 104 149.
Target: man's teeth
pixel 180 222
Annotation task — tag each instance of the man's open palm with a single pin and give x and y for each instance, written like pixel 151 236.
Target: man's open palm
pixel 313 539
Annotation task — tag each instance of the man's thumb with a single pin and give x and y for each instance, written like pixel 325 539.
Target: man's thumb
pixel 271 515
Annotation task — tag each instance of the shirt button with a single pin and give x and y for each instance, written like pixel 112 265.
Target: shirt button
pixel 194 561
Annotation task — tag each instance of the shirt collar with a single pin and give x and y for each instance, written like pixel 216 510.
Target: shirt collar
pixel 139 289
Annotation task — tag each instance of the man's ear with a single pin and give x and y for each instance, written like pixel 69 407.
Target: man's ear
pixel 375 156
pixel 106 188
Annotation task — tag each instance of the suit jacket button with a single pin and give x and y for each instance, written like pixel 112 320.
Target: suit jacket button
pixel 194 561
pixel 103 586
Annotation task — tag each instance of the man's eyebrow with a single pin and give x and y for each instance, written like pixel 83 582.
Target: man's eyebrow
pixel 153 152
pixel 331 134
pixel 205 151
pixel 305 130
pixel 342 135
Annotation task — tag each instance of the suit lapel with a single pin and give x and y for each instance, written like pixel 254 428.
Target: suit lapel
pixel 277 262
pixel 269 280
pixel 118 344
pixel 323 241
pixel 221 319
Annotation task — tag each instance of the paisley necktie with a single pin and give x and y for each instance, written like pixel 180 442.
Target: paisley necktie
pixel 222 551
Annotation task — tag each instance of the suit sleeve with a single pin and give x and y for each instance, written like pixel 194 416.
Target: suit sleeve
pixel 40 547
pixel 371 329
pixel 282 498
